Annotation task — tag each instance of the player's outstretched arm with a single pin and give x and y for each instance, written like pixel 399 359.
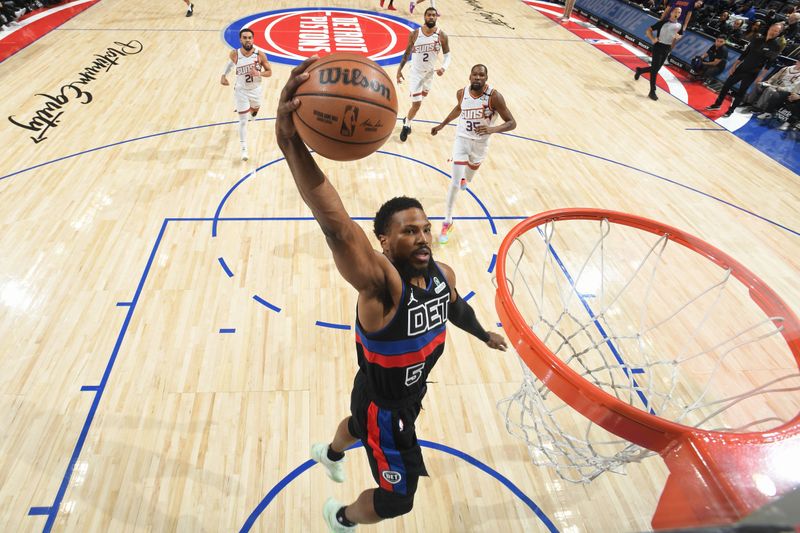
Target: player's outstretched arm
pixel 355 258
pixel 450 116
pixel 463 316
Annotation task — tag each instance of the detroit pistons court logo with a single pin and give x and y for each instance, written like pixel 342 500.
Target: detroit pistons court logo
pixel 290 36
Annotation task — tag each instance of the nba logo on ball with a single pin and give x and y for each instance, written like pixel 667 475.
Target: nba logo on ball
pixel 391 476
pixel 290 36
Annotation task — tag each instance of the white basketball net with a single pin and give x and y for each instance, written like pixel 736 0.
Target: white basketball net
pixel 650 322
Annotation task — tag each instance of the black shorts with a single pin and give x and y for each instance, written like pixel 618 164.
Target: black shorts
pixel 390 440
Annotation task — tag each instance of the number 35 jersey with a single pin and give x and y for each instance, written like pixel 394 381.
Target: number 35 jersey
pixel 475 112
pixel 397 359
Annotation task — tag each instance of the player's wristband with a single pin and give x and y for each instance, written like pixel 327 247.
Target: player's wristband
pixel 446 61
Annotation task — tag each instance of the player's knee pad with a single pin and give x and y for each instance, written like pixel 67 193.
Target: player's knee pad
pixel 390 504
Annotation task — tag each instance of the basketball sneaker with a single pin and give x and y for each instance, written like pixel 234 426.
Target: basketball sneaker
pixel 335 469
pixel 382 2
pixel 190 11
pixel 390 8
pixel 463 184
pixel 411 7
pixel 244 153
pixel 329 510
pixel 446 230
pixel 404 133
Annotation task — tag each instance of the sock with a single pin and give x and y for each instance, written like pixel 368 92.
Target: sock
pixel 455 182
pixel 334 456
pixel 407 121
pixel 243 128
pixel 342 519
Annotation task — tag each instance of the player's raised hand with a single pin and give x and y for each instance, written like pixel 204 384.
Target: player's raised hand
pixel 496 342
pixel 284 126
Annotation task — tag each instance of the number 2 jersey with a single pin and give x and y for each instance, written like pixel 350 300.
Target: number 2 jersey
pixel 245 81
pixel 397 359
pixel 475 112
pixel 426 50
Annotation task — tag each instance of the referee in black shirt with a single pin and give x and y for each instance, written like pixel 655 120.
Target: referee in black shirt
pixel 761 52
pixel 665 36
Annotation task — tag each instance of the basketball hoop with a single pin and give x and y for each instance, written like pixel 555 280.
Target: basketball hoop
pixel 616 319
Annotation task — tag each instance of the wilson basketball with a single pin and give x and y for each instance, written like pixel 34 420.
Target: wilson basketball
pixel 348 107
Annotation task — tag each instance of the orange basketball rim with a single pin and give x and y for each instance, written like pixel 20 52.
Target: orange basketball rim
pixel 715 477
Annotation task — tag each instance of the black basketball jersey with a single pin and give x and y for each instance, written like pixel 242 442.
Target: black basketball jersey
pixel 397 359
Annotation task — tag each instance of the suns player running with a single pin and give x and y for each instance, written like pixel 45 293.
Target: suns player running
pixel 478 106
pixel 424 45
pixel 405 300
pixel 251 65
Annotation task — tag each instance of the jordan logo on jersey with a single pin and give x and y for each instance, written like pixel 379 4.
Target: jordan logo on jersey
pixel 428 315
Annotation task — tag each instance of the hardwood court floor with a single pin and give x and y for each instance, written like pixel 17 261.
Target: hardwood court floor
pixel 123 403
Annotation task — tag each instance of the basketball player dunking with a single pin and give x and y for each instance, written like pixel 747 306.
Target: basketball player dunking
pixel 251 65
pixel 424 45
pixel 405 300
pixel 477 107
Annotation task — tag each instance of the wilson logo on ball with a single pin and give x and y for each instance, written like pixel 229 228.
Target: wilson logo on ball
pixel 348 106
pixel 292 35
pixel 331 76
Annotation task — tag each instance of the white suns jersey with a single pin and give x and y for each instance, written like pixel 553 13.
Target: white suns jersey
pixel 426 50
pixel 243 64
pixel 475 112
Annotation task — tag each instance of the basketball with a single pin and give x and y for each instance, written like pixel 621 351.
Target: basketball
pixel 348 107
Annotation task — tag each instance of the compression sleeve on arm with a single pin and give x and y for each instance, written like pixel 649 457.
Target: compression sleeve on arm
pixel 463 316
pixel 446 61
pixel 228 68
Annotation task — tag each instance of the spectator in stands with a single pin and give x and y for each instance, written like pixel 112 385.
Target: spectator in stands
pixel 792 26
pixel 768 96
pixel 752 32
pixel 746 10
pixel 793 106
pixel 713 62
pixel 760 53
pixel 720 24
pixel 736 31
pixel 771 18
